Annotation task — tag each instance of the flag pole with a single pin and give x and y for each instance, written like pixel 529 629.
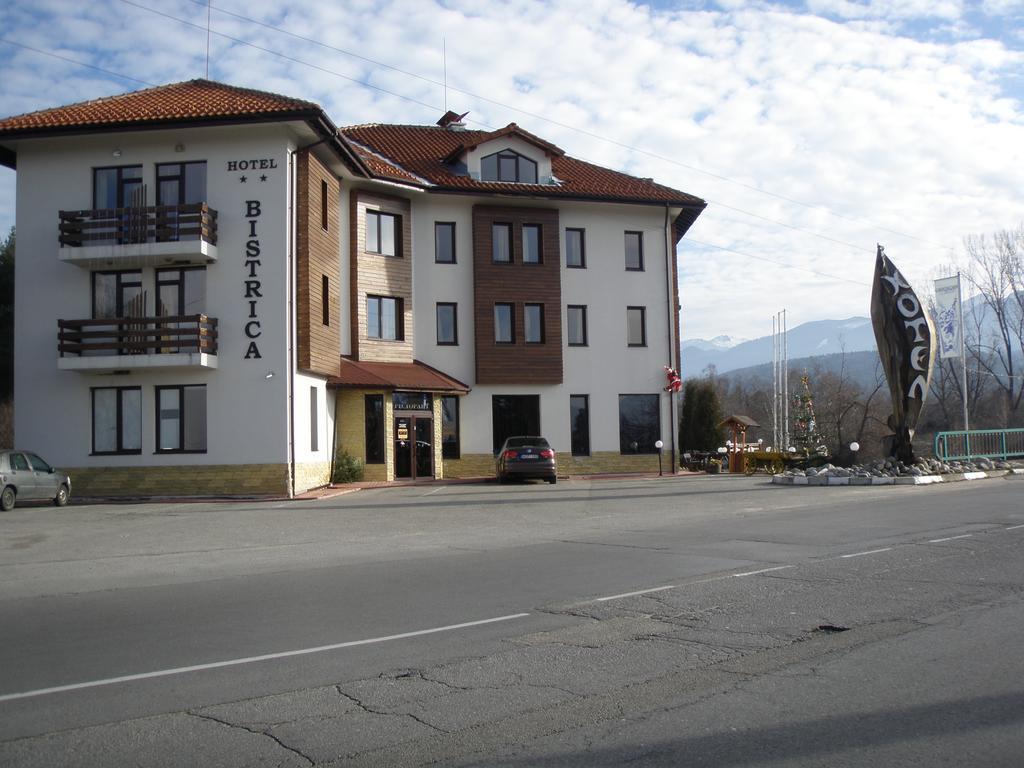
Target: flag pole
pixel 963 360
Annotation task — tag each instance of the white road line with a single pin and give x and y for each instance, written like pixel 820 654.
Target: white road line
pixel 632 594
pixel 253 659
pixel 1014 527
pixel 950 538
pixel 869 552
pixel 763 570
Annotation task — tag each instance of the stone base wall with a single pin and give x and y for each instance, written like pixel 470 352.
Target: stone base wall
pixel 181 480
pixel 312 475
pixel 610 462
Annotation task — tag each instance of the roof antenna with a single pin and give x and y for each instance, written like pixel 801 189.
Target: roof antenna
pixel 208 3
pixel 444 59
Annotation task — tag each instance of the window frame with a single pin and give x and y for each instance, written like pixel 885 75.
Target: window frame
pixel 540 244
pixel 640 250
pixel 643 327
pixel 325 300
pixel 376 248
pixel 447 449
pixel 521 162
pixel 378 442
pixel 314 420
pixel 568 324
pixel 120 450
pixel 182 418
pixel 573 440
pixel 657 432
pixel 507 226
pixel 583 248
pixel 399 317
pixel 511 322
pixel 324 217
pixel 439 225
pixel 455 323
pixel 540 322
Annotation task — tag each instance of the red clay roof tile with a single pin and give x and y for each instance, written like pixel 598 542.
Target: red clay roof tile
pixel 414 375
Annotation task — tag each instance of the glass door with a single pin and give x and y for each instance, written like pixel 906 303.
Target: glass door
pixel 403 448
pixel 414 447
pixel 180 293
pixel 424 450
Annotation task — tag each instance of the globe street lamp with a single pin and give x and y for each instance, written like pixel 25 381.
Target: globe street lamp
pixel 659 445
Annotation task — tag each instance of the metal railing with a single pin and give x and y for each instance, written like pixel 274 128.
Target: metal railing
pixel 978 443
pixel 138 335
pixel 154 223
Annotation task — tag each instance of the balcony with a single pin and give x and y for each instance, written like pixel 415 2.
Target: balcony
pixel 137 343
pixel 156 235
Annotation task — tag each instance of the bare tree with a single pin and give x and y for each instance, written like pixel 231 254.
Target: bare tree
pixel 994 268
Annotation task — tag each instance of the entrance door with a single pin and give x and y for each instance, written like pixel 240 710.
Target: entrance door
pixel 414 447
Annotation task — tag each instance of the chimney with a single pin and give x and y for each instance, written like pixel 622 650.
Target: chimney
pixel 452 121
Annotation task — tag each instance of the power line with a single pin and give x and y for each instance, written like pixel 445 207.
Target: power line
pixel 583 131
pixel 74 61
pixel 778 263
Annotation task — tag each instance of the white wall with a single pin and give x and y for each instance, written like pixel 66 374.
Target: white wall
pixel 247 420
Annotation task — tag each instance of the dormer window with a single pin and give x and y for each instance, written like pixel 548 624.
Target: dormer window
pixel 508 166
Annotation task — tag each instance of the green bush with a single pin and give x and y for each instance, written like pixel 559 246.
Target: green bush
pixel 347 468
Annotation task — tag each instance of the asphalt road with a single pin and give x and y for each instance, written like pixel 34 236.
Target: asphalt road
pixel 590 623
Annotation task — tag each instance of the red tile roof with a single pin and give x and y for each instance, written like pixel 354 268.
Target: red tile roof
pixel 420 150
pixel 195 100
pixel 414 375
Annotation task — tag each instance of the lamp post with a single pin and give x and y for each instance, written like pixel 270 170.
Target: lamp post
pixel 659 445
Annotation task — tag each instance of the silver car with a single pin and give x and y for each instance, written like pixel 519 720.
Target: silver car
pixel 24 476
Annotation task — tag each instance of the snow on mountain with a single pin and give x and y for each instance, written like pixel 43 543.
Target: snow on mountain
pixel 719 342
pixel 820 337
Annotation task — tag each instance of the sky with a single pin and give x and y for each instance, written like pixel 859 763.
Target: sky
pixel 814 130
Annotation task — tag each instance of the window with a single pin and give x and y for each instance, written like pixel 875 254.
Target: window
pixel 323 205
pixel 575 253
pixel 579 424
pixel 383 233
pixel 513 415
pixel 635 251
pixel 181 183
pixel 119 187
pixel 374 410
pixel 531 244
pixel 501 243
pixel 508 166
pixel 384 318
pixel 576 319
pixel 504 324
pixel 444 242
pixel 449 427
pixel 117 294
pixel 314 421
pixel 447 323
pixel 117 420
pixel 533 323
pixel 636 326
pixel 181 419
pixel 639 423
pixel 179 292
pixel 325 299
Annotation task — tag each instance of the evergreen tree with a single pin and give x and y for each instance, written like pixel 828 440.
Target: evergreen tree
pixel 700 416
pixel 806 437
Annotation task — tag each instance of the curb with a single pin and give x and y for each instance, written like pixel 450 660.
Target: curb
pixel 909 480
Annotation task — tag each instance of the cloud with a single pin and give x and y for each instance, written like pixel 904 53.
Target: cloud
pixel 886 132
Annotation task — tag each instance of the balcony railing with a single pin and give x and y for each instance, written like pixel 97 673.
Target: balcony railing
pixel 151 224
pixel 175 334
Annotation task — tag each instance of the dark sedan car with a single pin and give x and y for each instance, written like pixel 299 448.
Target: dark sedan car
pixel 24 476
pixel 524 457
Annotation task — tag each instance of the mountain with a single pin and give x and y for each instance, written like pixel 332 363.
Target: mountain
pixel 708 345
pixel 861 368
pixel 817 338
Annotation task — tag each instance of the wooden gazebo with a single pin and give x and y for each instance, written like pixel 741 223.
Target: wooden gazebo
pixel 738 425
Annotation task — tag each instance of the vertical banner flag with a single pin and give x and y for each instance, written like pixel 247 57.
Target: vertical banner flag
pixel 947 316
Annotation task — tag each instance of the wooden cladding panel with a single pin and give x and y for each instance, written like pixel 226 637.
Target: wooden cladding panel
pixel 373 274
pixel 518 284
pixel 319 254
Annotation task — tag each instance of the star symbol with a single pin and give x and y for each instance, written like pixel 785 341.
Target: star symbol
pixel 263 177
pixel 242 179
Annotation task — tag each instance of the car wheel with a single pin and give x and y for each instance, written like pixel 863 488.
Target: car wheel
pixel 61 499
pixel 552 480
pixel 7 499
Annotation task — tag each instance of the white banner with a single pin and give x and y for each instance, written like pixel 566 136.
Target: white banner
pixel 947 316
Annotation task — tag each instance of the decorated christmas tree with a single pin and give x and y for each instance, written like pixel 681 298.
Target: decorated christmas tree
pixel 806 438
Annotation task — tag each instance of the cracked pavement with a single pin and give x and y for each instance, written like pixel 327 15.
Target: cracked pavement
pixel 716 670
